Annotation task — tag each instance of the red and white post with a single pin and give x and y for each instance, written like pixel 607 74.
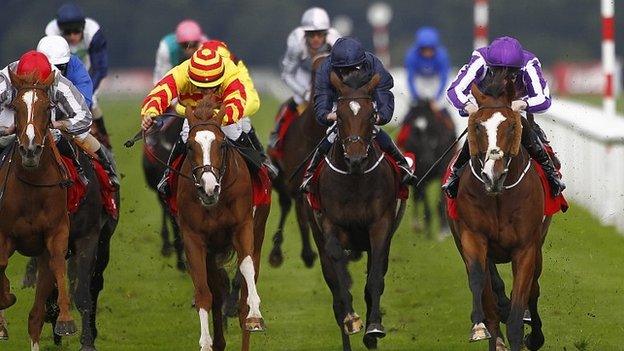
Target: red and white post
pixel 379 16
pixel 481 18
pixel 608 55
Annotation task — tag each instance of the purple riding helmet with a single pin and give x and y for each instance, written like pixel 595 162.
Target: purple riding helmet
pixel 505 52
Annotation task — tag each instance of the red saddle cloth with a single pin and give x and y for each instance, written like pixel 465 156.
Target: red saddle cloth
pixel 402 193
pixel 552 204
pixel 260 181
pixel 287 116
pixel 77 191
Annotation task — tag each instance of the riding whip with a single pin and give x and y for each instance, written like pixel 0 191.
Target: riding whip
pixel 435 164
pixel 158 123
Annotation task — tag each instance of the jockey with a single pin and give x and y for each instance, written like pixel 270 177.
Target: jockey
pixel 86 40
pixel 211 70
pixel 57 51
pixel 426 61
pixel 348 56
pixel 175 48
pixel 312 38
pixel 525 70
pixel 64 95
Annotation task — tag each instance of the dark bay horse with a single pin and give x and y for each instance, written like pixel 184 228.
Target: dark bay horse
pixel 302 137
pixel 216 215
pixel 159 145
pixel 500 207
pixel 33 204
pixel 428 132
pixel 359 209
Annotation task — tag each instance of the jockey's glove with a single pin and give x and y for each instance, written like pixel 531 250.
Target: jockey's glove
pixel 332 116
pixel 471 108
pixel 61 124
pixel 519 105
pixel 148 120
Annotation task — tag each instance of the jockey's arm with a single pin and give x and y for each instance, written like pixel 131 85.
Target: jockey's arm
pixel 324 94
pixel 78 75
pixel 163 62
pixel 443 66
pixel 459 90
pixel 290 63
pixel 382 94
pixel 538 99
pixel 6 89
pixel 410 66
pixel 73 105
pixel 233 102
pixel 98 57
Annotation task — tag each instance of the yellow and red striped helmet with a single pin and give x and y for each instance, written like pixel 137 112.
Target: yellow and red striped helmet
pixel 206 69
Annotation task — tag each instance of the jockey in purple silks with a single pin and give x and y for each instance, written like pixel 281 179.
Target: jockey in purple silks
pixel 505 55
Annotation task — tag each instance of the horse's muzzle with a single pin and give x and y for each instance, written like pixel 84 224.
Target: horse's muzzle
pixel 31 155
pixel 208 199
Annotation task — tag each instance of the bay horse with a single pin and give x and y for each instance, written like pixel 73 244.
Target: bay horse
pixel 159 145
pixel 426 133
pixel 216 215
pixel 359 210
pixel 500 208
pixel 33 204
pixel 302 137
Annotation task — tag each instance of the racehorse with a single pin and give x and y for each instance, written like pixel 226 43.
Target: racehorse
pixel 426 133
pixel 302 137
pixel 215 215
pixel 359 209
pixel 34 218
pixel 500 219
pixel 90 230
pixel 158 146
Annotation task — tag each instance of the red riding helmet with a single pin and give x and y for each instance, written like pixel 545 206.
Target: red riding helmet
pixel 34 62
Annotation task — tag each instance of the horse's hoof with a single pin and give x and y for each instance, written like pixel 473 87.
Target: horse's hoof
pixel 500 345
pixel 352 324
pixel 376 329
pixel 206 348
pixel 370 341
pixel 276 258
pixel 527 316
pixel 534 341
pixel 88 348
pixel 65 328
pixel 309 258
pixel 57 339
pixel 479 332
pixel 254 324
pixel 10 301
pixel 4 333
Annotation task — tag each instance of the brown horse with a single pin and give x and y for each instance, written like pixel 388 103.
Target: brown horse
pixel 359 209
pixel 216 213
pixel 33 204
pixel 302 137
pixel 500 207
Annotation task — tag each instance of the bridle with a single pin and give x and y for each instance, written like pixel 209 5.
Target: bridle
pixel 40 88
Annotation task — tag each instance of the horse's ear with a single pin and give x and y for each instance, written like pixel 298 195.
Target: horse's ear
pixel 189 112
pixel 15 79
pixel 478 95
pixel 370 86
pixel 219 115
pixel 337 83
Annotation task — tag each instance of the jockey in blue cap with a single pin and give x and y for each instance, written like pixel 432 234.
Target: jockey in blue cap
pixel 348 56
pixel 427 59
pixel 505 55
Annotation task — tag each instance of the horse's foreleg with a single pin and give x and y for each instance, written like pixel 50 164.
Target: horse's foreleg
pixel 474 253
pixel 85 262
pixel 250 300
pixel 167 248
pixel 303 219
pixel 498 286
pixel 43 289
pixel 6 250
pixel 444 224
pixel 56 245
pixel 276 257
pixel 535 339
pixel 178 245
pixel 492 316
pixel 217 280
pixel 30 276
pixel 523 266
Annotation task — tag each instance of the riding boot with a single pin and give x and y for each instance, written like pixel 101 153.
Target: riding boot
pixel 531 142
pixel 319 154
pixel 99 123
pixel 390 148
pixel 177 150
pixel 67 149
pixel 290 107
pixel 452 183
pixel 108 167
pixel 257 145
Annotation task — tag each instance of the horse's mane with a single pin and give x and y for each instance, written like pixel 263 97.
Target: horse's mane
pixel 205 108
pixel 29 79
pixel 495 82
pixel 356 79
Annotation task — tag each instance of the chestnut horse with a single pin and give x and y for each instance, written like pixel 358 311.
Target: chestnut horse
pixel 216 214
pixel 359 211
pixel 302 137
pixel 33 204
pixel 500 207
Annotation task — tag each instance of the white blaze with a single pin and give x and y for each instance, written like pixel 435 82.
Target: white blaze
pixel 205 138
pixel 491 128
pixel 253 300
pixel 30 133
pixel 355 107
pixel 205 341
pixel 29 98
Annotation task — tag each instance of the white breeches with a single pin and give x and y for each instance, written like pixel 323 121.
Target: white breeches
pixel 232 131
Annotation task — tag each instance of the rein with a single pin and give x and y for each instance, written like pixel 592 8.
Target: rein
pixel 506 187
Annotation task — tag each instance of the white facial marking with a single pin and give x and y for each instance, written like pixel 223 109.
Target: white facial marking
pixel 355 107
pixel 205 138
pixel 30 133
pixel 29 98
pixel 253 300
pixel 494 152
pixel 205 341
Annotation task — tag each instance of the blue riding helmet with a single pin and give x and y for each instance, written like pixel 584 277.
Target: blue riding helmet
pixel 347 52
pixel 505 52
pixel 427 37
pixel 70 13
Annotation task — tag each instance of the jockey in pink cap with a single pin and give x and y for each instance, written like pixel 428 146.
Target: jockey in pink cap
pixel 175 48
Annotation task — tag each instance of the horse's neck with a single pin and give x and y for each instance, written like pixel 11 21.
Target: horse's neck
pixel 518 164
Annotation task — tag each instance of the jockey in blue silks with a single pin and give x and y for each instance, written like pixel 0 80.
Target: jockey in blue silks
pixel 505 55
pixel 428 59
pixel 348 56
